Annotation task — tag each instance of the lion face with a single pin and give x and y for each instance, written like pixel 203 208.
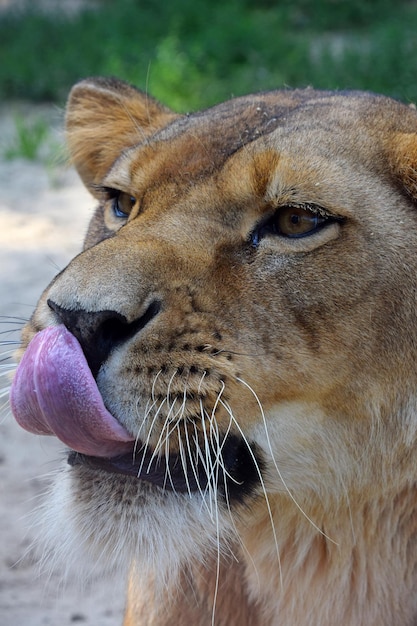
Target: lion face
pixel 238 334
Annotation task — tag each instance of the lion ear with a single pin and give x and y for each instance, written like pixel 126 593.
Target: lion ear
pixel 403 152
pixel 105 116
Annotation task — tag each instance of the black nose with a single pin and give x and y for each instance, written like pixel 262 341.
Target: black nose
pixel 101 331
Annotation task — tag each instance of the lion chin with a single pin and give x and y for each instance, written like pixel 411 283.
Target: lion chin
pixel 101 535
pixel 230 361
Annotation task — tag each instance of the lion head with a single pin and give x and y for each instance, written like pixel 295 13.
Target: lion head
pixel 231 359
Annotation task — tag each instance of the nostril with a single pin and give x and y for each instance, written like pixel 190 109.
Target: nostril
pixel 99 332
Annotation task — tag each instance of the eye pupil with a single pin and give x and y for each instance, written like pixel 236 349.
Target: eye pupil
pixel 296 222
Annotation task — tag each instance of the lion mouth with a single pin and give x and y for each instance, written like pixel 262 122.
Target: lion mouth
pixel 233 469
pixel 168 475
pixel 54 393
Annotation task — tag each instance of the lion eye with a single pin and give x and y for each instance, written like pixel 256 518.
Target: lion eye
pixel 296 222
pixel 122 204
pixel 291 222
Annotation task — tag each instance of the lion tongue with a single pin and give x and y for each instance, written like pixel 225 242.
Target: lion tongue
pixel 54 392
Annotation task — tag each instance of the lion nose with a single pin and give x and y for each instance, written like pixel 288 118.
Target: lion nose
pixel 99 332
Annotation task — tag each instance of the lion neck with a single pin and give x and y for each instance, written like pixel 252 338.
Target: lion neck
pixel 352 563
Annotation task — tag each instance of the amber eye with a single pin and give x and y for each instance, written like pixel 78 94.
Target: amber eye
pixel 122 204
pixel 292 222
pixel 297 222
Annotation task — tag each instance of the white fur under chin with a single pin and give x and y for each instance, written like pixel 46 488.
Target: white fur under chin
pixel 97 524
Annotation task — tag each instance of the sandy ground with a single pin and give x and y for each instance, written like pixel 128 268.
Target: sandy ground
pixel 43 215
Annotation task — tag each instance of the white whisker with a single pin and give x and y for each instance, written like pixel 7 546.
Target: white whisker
pixel 4 392
pixel 258 471
pixel 162 440
pixel 201 381
pixel 194 463
pixel 154 384
pixel 146 442
pixel 183 457
pixel 148 409
pixel 167 470
pixel 6 354
pixel 202 455
pixel 216 588
pixel 208 459
pixel 169 389
pixel 143 419
pixel 237 535
pixel 276 465
pixel 169 419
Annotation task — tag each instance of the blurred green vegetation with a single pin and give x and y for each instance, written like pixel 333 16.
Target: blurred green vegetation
pixel 30 136
pixel 193 53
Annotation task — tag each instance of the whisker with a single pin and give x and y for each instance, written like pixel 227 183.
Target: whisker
pixel 216 444
pixel 148 72
pixel 201 381
pixel 183 458
pixel 170 420
pixel 212 445
pixel 193 467
pixel 146 442
pixel 169 388
pixel 7 364
pixel 138 127
pixel 4 392
pixel 276 465
pixel 216 587
pixel 171 416
pixel 148 409
pixel 9 331
pixel 235 353
pixel 153 385
pixel 10 319
pixel 167 470
pixel 208 465
pixel 6 343
pixel 261 480
pixel 231 517
pixel 174 420
pixel 162 439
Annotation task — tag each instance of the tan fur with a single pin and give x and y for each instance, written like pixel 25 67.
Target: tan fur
pixel 309 343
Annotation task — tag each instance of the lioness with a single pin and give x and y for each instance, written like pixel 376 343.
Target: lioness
pixel 231 360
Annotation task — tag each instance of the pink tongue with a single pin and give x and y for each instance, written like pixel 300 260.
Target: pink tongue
pixel 54 392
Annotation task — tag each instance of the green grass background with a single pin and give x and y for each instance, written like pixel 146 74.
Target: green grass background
pixel 193 53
